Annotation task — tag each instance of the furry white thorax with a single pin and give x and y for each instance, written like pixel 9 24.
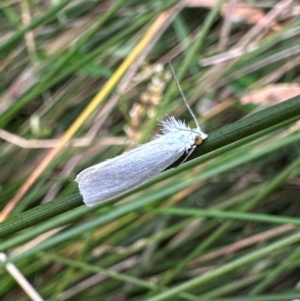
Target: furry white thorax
pixel 178 132
pixel 171 125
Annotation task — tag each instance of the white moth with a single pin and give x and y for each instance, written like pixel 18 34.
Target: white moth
pixel 113 177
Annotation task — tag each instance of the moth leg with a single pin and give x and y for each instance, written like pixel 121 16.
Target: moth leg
pixel 189 153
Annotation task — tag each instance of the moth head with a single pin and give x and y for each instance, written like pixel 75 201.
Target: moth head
pixel 198 140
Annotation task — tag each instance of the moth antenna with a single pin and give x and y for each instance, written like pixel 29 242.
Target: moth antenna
pixel 183 96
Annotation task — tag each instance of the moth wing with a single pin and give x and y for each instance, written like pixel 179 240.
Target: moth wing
pixel 113 177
